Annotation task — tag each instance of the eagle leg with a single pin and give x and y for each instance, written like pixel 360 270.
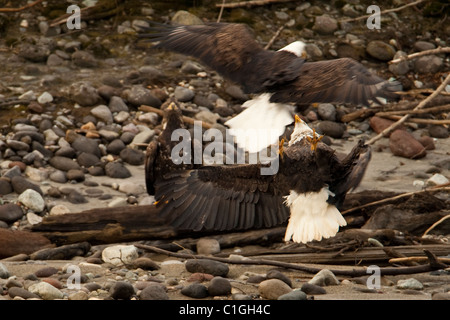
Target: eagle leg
pixel 314 140
pixel 281 148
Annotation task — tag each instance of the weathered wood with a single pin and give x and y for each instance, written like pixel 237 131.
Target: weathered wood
pixel 13 242
pixel 361 256
pixel 106 225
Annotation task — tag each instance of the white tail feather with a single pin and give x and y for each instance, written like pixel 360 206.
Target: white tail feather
pixel 260 124
pixel 312 217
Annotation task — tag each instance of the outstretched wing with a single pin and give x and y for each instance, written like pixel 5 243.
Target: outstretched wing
pixel 231 50
pixel 220 198
pixel 336 81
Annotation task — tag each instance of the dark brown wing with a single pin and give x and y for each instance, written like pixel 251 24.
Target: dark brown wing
pixel 220 198
pixel 335 81
pixel 151 154
pixel 342 175
pixel 232 51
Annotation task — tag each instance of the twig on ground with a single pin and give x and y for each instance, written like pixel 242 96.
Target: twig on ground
pixel 185 119
pixel 420 54
pixel 416 259
pixel 436 224
pixel 385 11
pixel 221 11
pixel 21 8
pixel 415 120
pixel 421 105
pixel 421 111
pixel 250 3
pixel 269 44
pixel 400 196
pixel 434 264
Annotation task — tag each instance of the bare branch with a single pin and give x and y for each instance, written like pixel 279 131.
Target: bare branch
pixel 420 54
pixel 421 105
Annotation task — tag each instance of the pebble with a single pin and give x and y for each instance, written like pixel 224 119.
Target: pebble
pixel 331 128
pixel 275 274
pixel 219 287
pixel 195 290
pixel 409 284
pixel 79 295
pixel 45 272
pixel 183 94
pixel 46 291
pixel 23 293
pixel 122 290
pixel 215 268
pixel 440 132
pixel 327 111
pixel 32 199
pixel 154 292
pixel 380 50
pixel 103 113
pixel 63 163
pixel 132 156
pixel 145 264
pixel 120 254
pixel 437 179
pixel 428 64
pixel 293 295
pixel 84 59
pixel 324 278
pixel 272 289
pixel 117 170
pixel 138 95
pixel 312 289
pixel 10 212
pixel 403 144
pixel 207 246
pixel 325 24
pixel 4 273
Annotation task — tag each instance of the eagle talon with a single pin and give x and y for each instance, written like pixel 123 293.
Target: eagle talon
pixel 314 140
pixel 281 148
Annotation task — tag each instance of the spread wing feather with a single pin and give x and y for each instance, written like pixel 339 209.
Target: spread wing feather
pixel 220 198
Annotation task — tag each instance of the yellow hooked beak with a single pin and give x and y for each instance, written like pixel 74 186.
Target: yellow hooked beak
pixel 298 119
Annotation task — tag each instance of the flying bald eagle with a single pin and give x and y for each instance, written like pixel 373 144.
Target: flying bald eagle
pixel 308 188
pixel 279 78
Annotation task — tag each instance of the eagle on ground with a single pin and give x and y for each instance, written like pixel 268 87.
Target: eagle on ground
pixel 276 78
pixel 307 190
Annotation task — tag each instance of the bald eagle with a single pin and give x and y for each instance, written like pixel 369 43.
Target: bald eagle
pixel 307 191
pixel 277 78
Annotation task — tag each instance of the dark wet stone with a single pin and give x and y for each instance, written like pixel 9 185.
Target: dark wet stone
pixel 75 175
pixel 275 274
pixel 23 293
pixel 34 53
pixel 293 295
pixel 117 170
pixel 20 184
pixel 219 287
pixel 115 146
pixel 332 129
pixel 84 59
pixel 403 144
pixel 76 197
pixel 440 132
pixel 154 291
pixel 145 263
pixel 380 50
pixel 132 156
pixel 122 290
pixel 10 212
pixel 45 272
pixel 87 160
pixel 428 64
pixel 195 290
pixel 83 144
pixel 92 286
pixel 215 268
pixel 139 95
pixel 63 163
pixel 66 151
pixel 312 289
pixel 5 187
